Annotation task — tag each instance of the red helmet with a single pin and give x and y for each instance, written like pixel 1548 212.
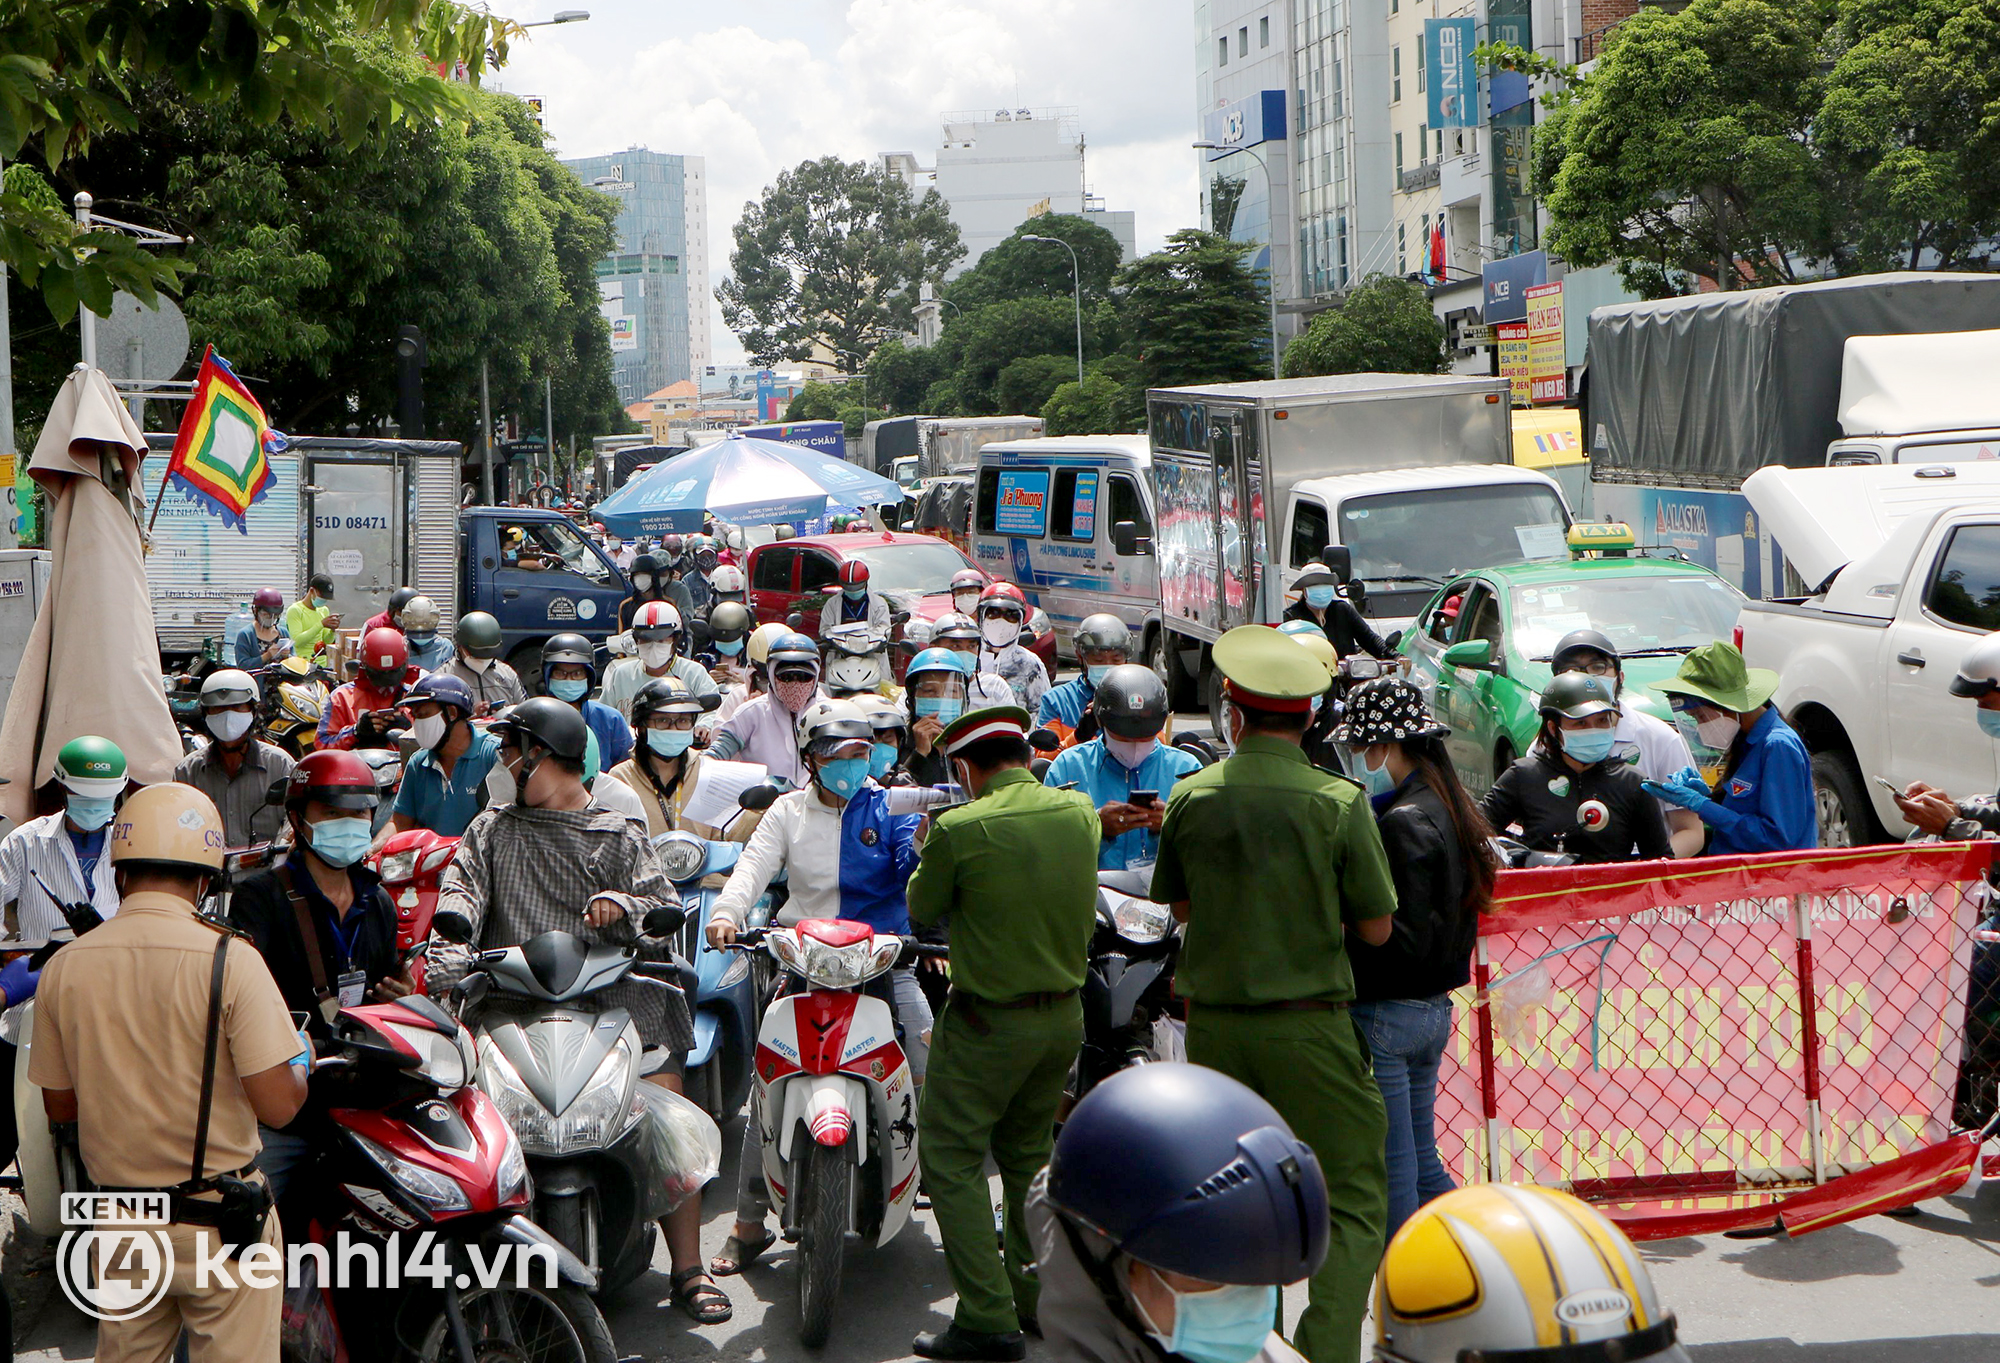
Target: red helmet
pixel 332 776
pixel 1006 596
pixel 967 579
pixel 853 573
pixel 268 599
pixel 385 650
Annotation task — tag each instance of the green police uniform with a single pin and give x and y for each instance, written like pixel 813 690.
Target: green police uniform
pixel 1016 870
pixel 1272 857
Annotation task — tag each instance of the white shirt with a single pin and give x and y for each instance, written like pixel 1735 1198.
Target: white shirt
pixel 623 679
pixel 1652 745
pixel 989 689
pixel 733 699
pixel 608 792
pixel 800 837
pixel 41 848
pixel 833 614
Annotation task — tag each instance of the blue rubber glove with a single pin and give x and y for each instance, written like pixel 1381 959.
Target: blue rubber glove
pixel 1686 790
pixel 18 981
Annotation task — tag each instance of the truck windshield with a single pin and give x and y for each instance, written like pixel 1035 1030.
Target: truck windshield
pixel 919 568
pixel 1427 534
pixel 1640 613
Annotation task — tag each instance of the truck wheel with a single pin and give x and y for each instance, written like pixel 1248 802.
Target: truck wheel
pixel 526 660
pixel 1218 705
pixel 1160 657
pixel 1846 819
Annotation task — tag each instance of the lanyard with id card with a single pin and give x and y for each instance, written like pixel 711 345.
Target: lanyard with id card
pixel 348 988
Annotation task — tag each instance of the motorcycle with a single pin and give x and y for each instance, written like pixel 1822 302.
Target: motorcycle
pixel 568 1080
pixel 729 986
pixel 412 866
pixel 413 1149
pixel 387 764
pixel 1128 1002
pixel 837 1101
pixel 295 694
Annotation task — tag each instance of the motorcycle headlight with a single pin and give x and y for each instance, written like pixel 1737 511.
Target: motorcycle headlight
pixel 600 1112
pixel 682 855
pixel 837 967
pixel 1141 921
pixel 513 1171
pixel 738 967
pixel 523 1113
pixel 433 1190
pixel 398 867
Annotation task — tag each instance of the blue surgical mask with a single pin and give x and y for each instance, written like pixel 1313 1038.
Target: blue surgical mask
pixel 1377 780
pixel 669 742
pixel 729 648
pixel 943 709
pixel 842 776
pixel 882 759
pixel 1989 722
pixel 89 812
pixel 1224 1325
pixel 421 638
pixel 1096 672
pixel 854 593
pixel 1589 745
pixel 1319 598
pixel 342 842
pixel 571 690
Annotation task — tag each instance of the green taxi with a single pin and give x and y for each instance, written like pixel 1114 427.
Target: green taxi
pixel 1481 647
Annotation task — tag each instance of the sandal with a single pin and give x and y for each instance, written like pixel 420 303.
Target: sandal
pixel 704 1302
pixel 737 1255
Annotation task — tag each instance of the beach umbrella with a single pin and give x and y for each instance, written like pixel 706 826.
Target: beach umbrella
pixel 742 480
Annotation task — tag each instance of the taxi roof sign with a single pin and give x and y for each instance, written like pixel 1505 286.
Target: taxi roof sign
pixel 1587 537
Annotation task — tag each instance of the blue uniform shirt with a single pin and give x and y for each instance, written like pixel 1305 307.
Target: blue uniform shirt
pixel 1767 802
pixel 878 853
pixel 433 656
pixel 614 735
pixel 441 805
pixel 1065 704
pixel 1095 772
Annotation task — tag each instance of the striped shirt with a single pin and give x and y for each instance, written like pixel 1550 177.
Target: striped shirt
pixel 242 799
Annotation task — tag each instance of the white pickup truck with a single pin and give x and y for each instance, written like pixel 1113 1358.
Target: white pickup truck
pixel 1905 562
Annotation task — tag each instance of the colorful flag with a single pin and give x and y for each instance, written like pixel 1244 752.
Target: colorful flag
pixel 220 455
pixel 1437 250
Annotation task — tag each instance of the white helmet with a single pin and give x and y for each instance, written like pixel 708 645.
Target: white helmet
pixel 728 578
pixel 840 720
pixel 228 686
pixel 1493 1271
pixel 1979 670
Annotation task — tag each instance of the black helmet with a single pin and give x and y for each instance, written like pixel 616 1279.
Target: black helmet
pixel 1187 1170
pixel 477 635
pixel 667 694
pixel 568 648
pixel 545 722
pixel 1099 633
pixel 1131 702
pixel 398 599
pixel 730 620
pixel 1582 640
pixel 1577 695
pixel 646 563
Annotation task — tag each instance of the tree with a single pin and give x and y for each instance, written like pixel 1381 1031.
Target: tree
pixel 1024 385
pixel 1032 269
pixel 1195 313
pixel 832 258
pixel 815 401
pixel 1385 326
pixel 899 375
pixel 1100 405
pixel 979 345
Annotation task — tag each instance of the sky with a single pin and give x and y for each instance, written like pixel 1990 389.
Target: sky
pixel 756 86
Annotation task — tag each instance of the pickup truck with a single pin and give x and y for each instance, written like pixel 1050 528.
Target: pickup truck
pixel 1906 565
pixel 538 575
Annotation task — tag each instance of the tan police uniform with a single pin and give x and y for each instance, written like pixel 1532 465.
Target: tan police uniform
pixel 121 1017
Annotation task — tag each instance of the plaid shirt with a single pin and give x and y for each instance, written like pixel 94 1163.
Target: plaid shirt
pixel 522 872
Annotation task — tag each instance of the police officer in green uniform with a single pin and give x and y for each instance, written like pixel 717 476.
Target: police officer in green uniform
pixel 1269 860
pixel 1016 872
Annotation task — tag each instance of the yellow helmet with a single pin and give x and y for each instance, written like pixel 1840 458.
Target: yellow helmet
pixel 1319 646
pixel 168 825
pixel 1501 1272
pixel 758 650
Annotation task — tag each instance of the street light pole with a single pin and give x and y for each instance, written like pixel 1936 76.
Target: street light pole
pixel 862 362
pixel 485 437
pixel 1271 239
pixel 549 420
pixel 1076 288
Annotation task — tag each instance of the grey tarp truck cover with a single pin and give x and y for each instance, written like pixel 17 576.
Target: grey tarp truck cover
pixel 1704 391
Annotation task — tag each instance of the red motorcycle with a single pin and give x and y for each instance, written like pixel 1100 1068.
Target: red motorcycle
pixel 420 1166
pixel 411 865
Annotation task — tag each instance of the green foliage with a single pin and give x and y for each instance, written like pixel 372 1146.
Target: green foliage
pixel 1195 313
pixel 814 402
pixel 833 257
pixel 900 375
pixel 1017 269
pixel 1385 326
pixel 1101 405
pixel 981 344
pixel 1024 385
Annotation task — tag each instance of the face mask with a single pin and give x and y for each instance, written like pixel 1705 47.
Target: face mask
pixel 89 812
pixel 965 603
pixel 342 842
pixel 842 776
pixel 1377 780
pixel 571 689
pixel 229 725
pixel 653 657
pixel 669 742
pixel 429 731
pixel 1000 631
pixel 1319 598
pixel 1719 733
pixel 421 638
pixel 1589 746
pixel 478 665
pixel 854 593
pixel 265 619
pixel 383 681
pixel 642 582
pixel 794 695
pixel 944 709
pixel 1131 753
pixel 1989 722
pixel 706 562
pixel 1096 672
pixel 882 759
pixel 729 648
pixel 1226 1325
pixel 500 784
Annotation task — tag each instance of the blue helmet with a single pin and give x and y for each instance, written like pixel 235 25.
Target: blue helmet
pixel 1301 627
pixel 444 690
pixel 1187 1170
pixel 939 660
pixel 794 648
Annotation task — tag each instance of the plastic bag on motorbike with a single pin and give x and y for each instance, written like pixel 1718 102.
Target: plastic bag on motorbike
pixel 687 1143
pixel 1515 997
pixel 305 1326
pixel 1169 1039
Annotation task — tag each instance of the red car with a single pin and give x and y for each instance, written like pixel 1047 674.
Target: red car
pixel 914 571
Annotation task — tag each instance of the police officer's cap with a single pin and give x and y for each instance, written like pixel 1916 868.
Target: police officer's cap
pixel 1267 671
pixel 996 721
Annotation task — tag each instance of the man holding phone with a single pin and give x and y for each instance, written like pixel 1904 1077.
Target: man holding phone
pixel 1126 771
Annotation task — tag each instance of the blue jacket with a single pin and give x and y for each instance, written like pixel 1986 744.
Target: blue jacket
pixel 1066 703
pixel 1095 772
pixel 248 649
pixel 878 854
pixel 1767 802
pixel 438 654
pixel 614 735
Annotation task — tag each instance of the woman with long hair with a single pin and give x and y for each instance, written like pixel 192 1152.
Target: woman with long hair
pixel 1436 839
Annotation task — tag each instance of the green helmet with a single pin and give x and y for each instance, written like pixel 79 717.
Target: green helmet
pixel 1578 695
pixel 478 634
pixel 92 767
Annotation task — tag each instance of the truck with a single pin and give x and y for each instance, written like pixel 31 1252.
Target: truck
pixel 1904 562
pixel 1394 480
pixel 828 437
pixel 948 445
pixel 1684 398
pixel 889 447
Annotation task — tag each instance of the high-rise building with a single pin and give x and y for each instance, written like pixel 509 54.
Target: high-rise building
pixel 654 288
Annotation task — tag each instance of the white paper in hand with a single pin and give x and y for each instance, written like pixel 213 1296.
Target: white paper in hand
pixel 716 788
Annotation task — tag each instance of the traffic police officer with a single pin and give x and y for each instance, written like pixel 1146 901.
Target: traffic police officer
pixel 1016 871
pixel 1269 860
pixel 120 1034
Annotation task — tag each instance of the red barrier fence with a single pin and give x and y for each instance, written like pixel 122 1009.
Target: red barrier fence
pixel 1722 1043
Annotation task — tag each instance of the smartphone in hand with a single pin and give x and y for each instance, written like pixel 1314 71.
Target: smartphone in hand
pixel 1145 799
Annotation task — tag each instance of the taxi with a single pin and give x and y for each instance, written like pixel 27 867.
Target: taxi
pixel 1481 648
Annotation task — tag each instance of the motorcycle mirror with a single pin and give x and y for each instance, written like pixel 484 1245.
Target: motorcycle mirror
pixel 1044 740
pixel 274 794
pixel 452 925
pixel 1039 767
pixel 758 797
pixel 711 701
pixel 795 622
pixel 663 921
pixel 471 991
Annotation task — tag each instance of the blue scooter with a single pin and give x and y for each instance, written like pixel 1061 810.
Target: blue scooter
pixel 729 989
